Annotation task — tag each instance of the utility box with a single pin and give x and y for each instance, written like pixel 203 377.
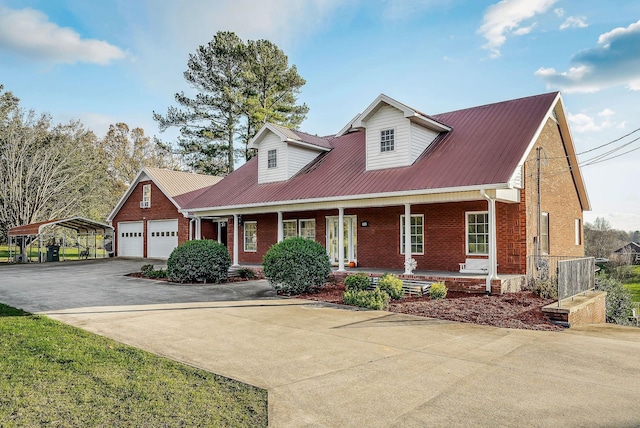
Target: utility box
pixel 53 253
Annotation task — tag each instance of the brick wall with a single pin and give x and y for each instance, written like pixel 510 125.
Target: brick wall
pixel 161 209
pixel 558 195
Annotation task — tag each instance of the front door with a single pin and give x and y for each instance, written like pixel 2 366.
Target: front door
pixel 350 238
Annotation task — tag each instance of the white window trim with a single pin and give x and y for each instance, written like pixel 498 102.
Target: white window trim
pixel 394 140
pixel 578 231
pixel 275 158
pixel 300 227
pixel 244 232
pixel 146 195
pixel 294 221
pixel 466 233
pixel 402 233
pixel 542 236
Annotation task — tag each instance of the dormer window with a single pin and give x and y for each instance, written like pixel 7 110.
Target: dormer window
pixel 272 158
pixel 387 140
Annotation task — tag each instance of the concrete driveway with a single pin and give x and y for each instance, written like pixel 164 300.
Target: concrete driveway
pixel 328 366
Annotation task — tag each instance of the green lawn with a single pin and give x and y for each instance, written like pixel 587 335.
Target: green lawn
pixel 52 374
pixel 633 283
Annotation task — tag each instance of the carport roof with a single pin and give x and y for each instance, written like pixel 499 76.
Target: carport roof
pixel 78 224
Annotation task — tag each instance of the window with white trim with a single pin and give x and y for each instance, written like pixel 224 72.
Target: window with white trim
pixel 417 234
pixel 272 158
pixel 387 140
pixel 289 228
pixel 478 232
pixel 578 231
pixel 146 195
pixel 308 229
pixel 250 236
pixel 544 233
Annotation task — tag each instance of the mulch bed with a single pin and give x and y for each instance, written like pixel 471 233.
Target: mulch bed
pixel 521 310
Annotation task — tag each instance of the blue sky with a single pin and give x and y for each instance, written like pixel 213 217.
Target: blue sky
pixel 114 61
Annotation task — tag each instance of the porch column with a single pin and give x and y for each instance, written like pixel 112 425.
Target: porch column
pixel 191 221
pixel 280 227
pixel 341 240
pixel 407 238
pixel 219 232
pixel 235 240
pixel 493 251
pixel 198 228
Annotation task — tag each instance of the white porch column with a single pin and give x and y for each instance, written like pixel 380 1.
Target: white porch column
pixel 219 232
pixel 280 227
pixel 235 240
pixel 191 221
pixel 407 238
pixel 493 251
pixel 198 228
pixel 341 240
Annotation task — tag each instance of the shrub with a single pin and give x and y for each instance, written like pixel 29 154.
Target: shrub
pixel 547 289
pixel 246 273
pixel 618 300
pixel 296 265
pixel 160 273
pixel 438 291
pixel 376 299
pixel 146 268
pixel 199 261
pixel 357 281
pixel 392 285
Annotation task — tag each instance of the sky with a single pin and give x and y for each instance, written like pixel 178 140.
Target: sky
pixel 109 61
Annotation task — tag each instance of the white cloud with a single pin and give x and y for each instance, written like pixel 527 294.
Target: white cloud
pixel 581 122
pixel 505 17
pixel 606 113
pixel 524 30
pixel 559 12
pixel 28 32
pixel 574 22
pixel 614 61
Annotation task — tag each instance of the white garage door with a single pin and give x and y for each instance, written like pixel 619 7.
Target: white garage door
pixel 162 238
pixel 130 239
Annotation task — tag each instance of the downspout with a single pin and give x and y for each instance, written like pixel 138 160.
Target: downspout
pixel 493 258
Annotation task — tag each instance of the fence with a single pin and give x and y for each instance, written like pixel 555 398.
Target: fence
pixel 572 275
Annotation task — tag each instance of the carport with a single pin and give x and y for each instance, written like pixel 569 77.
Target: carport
pixel 92 239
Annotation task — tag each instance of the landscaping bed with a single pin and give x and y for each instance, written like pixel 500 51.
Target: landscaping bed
pixel 521 310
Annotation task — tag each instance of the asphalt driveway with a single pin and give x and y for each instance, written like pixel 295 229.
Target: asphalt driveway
pixel 328 366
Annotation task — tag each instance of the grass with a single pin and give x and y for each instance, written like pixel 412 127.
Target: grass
pixel 52 374
pixel 633 283
pixel 66 253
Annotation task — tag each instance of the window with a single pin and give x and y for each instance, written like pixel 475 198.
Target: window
pixel 272 158
pixel 417 234
pixel 544 233
pixel 289 228
pixel 308 229
pixel 146 195
pixel 478 233
pixel 387 140
pixel 578 232
pixel 250 236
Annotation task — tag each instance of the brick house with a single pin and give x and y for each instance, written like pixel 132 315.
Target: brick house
pixel 483 187
pixel 147 219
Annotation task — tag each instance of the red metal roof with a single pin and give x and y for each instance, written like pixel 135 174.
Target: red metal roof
pixel 75 223
pixel 483 148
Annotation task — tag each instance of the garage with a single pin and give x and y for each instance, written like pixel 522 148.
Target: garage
pixel 130 239
pixel 162 238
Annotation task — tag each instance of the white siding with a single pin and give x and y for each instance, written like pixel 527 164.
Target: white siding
pixel 420 140
pixel 385 118
pixel 268 175
pixel 298 158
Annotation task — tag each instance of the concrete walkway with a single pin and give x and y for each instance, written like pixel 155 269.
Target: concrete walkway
pixel 328 366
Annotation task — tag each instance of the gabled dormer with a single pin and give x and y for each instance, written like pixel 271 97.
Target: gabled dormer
pixel 396 134
pixel 283 152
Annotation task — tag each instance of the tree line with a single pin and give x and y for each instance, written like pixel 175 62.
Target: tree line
pixel 50 170
pixel 600 239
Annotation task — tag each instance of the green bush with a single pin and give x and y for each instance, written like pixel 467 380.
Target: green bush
pixel 296 265
pixel 547 289
pixel 246 273
pixel 438 291
pixel 146 268
pixel 392 285
pixel 357 281
pixel 618 300
pixel 160 273
pixel 375 299
pixel 199 261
